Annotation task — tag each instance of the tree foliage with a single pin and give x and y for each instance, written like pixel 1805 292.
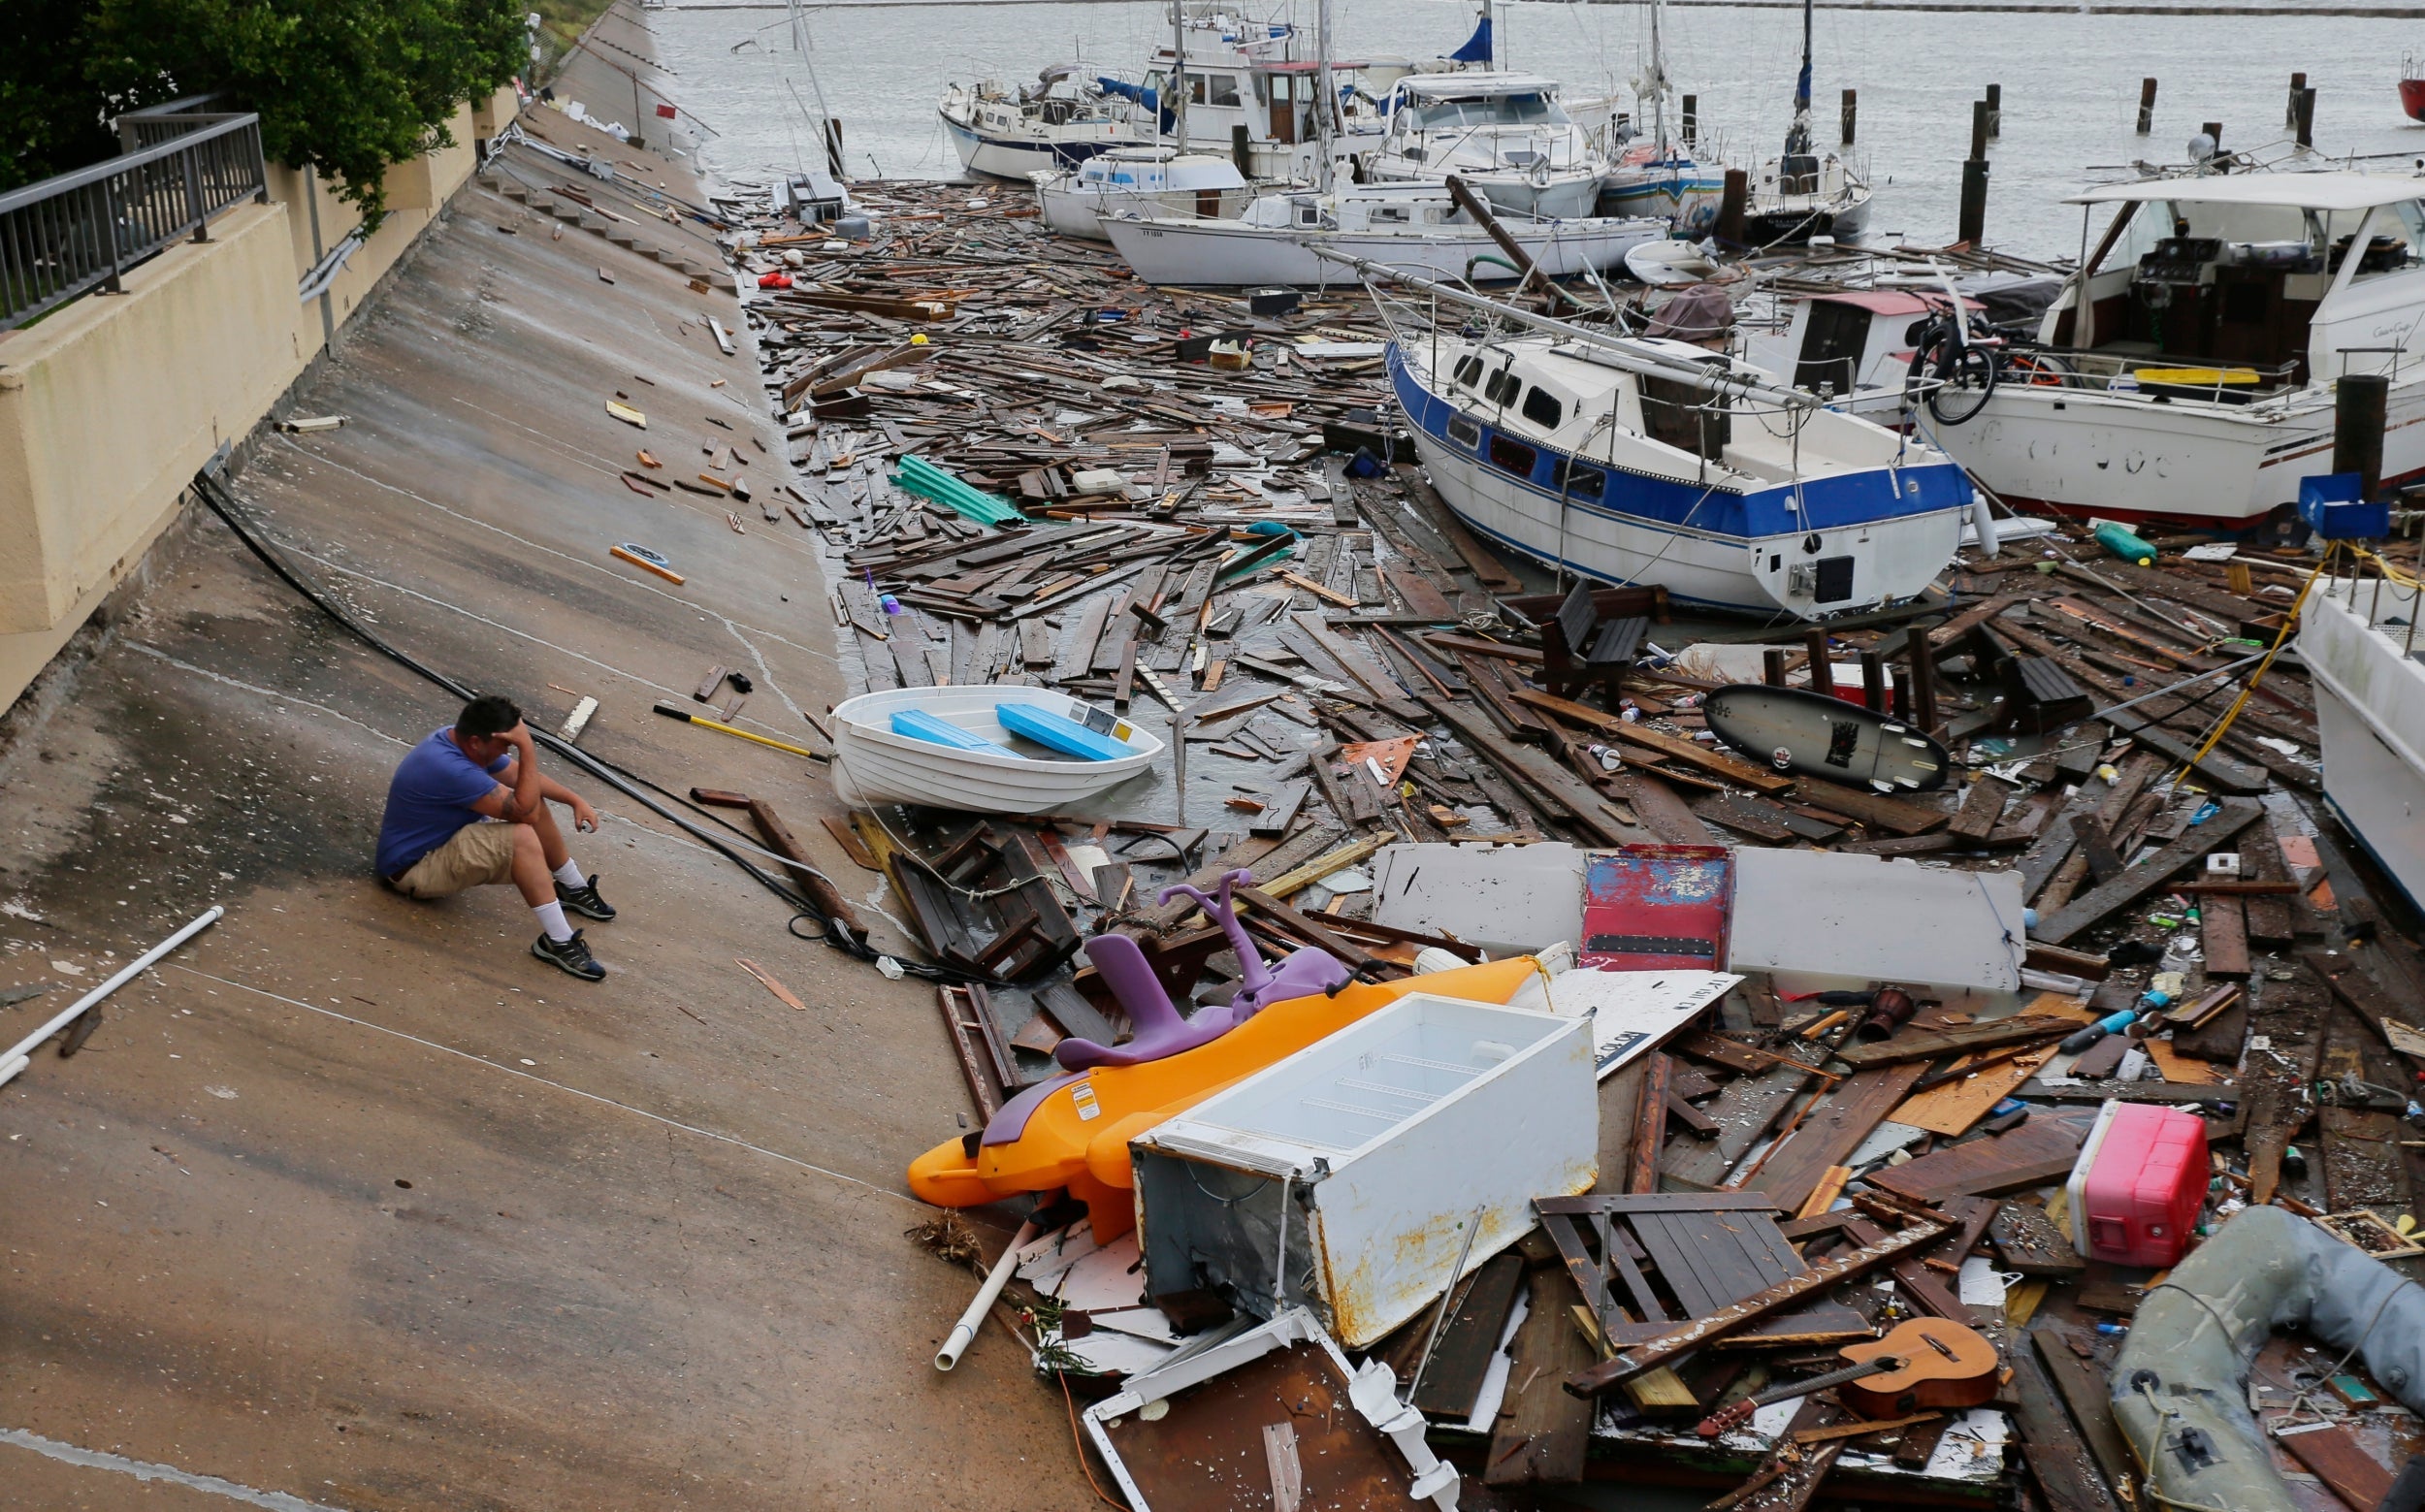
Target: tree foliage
pixel 346 87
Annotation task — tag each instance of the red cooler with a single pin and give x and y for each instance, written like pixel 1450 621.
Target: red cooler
pixel 2136 1187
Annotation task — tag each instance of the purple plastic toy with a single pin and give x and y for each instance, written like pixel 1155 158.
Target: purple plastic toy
pixel 1160 1030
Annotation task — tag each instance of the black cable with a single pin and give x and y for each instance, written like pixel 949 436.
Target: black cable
pixel 214 494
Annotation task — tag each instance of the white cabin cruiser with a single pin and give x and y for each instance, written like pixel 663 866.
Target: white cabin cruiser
pixel 1644 460
pixel 1059 122
pixel 2195 385
pixel 1259 76
pixel 1504 134
pixel 1417 227
pixel 1143 181
pixel 2357 635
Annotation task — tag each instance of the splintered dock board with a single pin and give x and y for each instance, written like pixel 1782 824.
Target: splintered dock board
pixel 2042 1150
pixel 2087 912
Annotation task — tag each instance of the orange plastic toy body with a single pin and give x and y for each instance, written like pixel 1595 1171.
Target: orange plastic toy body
pixel 1077 1137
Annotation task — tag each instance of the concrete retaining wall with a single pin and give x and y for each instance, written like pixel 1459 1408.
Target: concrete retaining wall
pixel 109 405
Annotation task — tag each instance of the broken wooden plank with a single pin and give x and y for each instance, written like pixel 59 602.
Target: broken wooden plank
pixel 2083 912
pixel 1542 1432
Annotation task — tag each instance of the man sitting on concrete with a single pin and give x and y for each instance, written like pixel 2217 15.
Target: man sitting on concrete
pixel 469 808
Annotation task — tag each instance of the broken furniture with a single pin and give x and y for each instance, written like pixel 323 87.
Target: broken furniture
pixel 1368 1165
pixel 985 907
pixel 1645 1263
pixel 1582 648
pixel 1271 1414
pixel 1073 1131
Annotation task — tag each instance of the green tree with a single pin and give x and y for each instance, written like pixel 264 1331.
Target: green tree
pixel 346 87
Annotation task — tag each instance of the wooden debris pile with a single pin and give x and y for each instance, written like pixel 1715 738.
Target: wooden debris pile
pixel 1202 511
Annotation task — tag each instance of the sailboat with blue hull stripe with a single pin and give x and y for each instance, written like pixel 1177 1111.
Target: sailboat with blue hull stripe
pixel 1636 460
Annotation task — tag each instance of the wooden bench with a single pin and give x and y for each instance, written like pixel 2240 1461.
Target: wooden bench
pixel 1583 647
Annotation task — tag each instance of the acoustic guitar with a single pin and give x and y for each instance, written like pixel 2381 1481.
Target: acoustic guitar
pixel 1926 1362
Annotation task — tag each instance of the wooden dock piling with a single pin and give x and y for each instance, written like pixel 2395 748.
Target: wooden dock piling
pixel 2147 106
pixel 1692 119
pixel 1738 188
pixel 1973 228
pixel 2303 116
pixel 1996 112
pixel 2290 107
pixel 1851 110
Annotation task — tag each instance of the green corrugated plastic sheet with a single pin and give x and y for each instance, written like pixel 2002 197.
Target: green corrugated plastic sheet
pixel 928 481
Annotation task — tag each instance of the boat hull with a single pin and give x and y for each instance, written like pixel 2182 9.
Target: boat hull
pixel 1018 157
pixel 1898 527
pixel 1567 194
pixel 2369 716
pixel 1686 199
pixel 1081 212
pixel 2079 451
pixel 871 764
pixel 1231 254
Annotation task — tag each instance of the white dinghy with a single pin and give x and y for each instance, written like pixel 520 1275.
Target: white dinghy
pixel 956 748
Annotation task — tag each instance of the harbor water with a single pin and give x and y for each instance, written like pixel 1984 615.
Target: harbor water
pixel 2070 83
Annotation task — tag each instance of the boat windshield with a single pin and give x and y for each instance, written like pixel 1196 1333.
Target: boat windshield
pixel 1499 110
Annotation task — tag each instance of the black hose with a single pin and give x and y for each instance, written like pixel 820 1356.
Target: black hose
pixel 214 494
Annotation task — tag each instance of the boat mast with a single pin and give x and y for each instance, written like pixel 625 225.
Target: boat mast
pixel 1658 86
pixel 1797 135
pixel 1326 98
pixel 1178 74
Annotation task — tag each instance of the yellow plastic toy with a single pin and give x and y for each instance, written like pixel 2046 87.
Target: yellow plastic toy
pixel 1073 1132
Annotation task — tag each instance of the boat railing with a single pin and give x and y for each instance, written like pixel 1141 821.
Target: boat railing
pixel 2217 380
pixel 2384 592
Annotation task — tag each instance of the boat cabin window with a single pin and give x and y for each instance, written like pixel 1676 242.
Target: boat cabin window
pixel 1501 387
pixel 1212 88
pixel 1578 481
pixel 1543 408
pixel 1469 369
pixel 1512 456
pixel 2218 298
pixel 2393 246
pixel 1465 432
pixel 1308 213
pixel 1389 215
pixel 1502 109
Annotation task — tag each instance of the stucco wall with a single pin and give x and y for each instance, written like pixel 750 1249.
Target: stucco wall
pixel 108 407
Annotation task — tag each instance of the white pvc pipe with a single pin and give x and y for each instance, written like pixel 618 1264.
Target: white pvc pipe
pixel 19 1056
pixel 965 1331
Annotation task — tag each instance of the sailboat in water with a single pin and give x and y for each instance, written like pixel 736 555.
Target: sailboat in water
pixel 1659 175
pixel 1800 195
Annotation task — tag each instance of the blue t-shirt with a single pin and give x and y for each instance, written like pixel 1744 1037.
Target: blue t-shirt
pixel 429 798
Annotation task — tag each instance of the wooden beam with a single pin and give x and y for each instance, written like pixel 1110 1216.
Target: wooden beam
pixel 2083 912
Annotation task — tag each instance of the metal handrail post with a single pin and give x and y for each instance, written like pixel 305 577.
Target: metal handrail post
pixel 193 199
pixel 110 231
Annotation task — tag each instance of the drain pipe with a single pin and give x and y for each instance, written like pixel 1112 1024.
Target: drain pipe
pixel 20 1055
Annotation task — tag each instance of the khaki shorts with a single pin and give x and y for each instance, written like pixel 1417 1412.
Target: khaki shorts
pixel 480 853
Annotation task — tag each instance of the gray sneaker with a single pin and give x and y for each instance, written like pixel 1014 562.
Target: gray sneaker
pixel 570 957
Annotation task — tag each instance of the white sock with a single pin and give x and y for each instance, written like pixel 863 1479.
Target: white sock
pixel 570 875
pixel 552 920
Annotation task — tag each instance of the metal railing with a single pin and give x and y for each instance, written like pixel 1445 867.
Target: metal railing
pixel 82 231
